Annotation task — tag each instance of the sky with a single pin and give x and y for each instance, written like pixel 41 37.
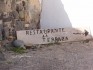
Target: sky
pixel 79 11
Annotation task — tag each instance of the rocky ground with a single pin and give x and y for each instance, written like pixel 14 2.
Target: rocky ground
pixel 65 56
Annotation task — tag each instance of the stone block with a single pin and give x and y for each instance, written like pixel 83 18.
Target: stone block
pixel 6 32
pixel 19 25
pixel 21 15
pixel 14 15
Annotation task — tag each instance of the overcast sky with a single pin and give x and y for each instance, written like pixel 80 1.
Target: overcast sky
pixel 79 11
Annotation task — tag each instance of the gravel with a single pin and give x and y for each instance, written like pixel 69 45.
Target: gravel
pixel 65 56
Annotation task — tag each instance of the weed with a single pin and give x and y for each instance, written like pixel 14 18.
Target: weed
pixel 9 62
pixel 19 50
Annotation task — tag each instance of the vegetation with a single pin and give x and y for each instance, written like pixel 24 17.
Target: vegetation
pixel 19 50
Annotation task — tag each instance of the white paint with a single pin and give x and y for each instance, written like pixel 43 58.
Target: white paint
pixel 35 37
pixel 79 12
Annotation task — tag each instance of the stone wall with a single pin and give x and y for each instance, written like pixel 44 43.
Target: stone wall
pixel 18 15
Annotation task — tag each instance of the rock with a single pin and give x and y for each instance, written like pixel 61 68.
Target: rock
pixel 1 16
pixel 6 32
pixel 18 43
pixel 19 25
pixel 0 44
pixel 1 24
pixel 7 44
pixel 2 58
pixel 21 15
pixel 0 34
pixel 14 15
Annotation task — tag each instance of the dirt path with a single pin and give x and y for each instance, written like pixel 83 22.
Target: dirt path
pixel 66 56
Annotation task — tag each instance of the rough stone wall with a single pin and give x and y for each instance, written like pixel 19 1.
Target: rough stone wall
pixel 2 6
pixel 18 15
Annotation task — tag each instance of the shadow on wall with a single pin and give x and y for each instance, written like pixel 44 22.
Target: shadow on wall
pixel 53 15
